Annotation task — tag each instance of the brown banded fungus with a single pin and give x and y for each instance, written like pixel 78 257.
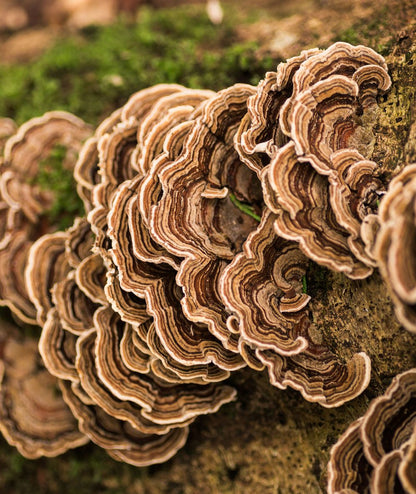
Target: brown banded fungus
pixel 327 120
pixel 340 59
pixel 138 289
pixel 196 218
pixel 24 153
pixel 376 452
pixel 120 440
pixel 324 214
pixel 260 134
pixel 125 410
pixel 263 289
pixel 394 246
pixel 115 155
pixel 33 415
pixel 203 210
pixel 186 342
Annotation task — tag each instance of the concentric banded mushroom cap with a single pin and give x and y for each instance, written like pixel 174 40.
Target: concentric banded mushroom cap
pixel 318 375
pixel 188 343
pixel 23 203
pixel 305 205
pixel 394 244
pixel 196 217
pixel 162 403
pixel 260 135
pixel 33 416
pixel 25 152
pixel 121 441
pixel 376 451
pixel 339 59
pixel 81 343
pixel 324 120
pixel 348 470
pixel 46 265
pixel 390 419
pixel 263 287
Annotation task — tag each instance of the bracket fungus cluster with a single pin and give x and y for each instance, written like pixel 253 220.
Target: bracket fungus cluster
pixel 203 211
pixel 377 452
pixel 394 229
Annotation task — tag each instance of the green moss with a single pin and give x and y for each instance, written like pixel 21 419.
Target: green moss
pixel 54 176
pixel 350 35
pixel 94 72
pixel 374 33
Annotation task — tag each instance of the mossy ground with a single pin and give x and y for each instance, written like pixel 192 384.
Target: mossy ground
pixel 269 440
pixel 95 71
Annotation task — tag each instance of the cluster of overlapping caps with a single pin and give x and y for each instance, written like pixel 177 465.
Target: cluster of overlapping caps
pixel 203 211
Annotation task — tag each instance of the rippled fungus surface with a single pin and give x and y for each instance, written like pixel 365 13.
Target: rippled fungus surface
pixel 203 213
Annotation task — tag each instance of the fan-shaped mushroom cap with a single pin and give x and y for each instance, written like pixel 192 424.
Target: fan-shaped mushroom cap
pixel 391 418
pixel 24 203
pixel 166 113
pixel 164 404
pixel 33 416
pixel 323 120
pixel 394 246
pixel 121 441
pixel 25 151
pixel 150 187
pixel 117 153
pixel 57 347
pixel 12 189
pixel 91 276
pixel 46 265
pixel 263 287
pixel 79 242
pixel 188 343
pixel 208 164
pixel 195 217
pixel 348 470
pixel 260 135
pixel 305 203
pixel 75 309
pixel 375 453
pixel 318 374
pixel 35 139
pixel 339 59
pixel 143 245
pixel 170 370
pixel 104 398
pixel 13 261
pixel 354 191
